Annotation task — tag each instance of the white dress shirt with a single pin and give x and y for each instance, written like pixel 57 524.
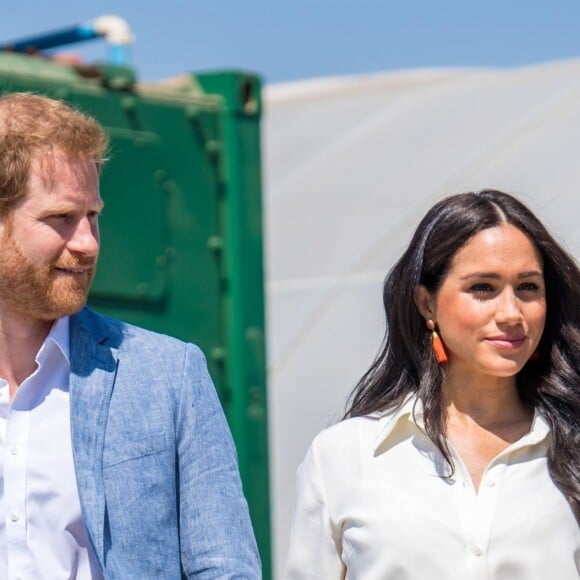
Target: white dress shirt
pixel 42 535
pixel 374 503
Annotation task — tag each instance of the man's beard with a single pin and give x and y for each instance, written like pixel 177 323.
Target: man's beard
pixel 41 292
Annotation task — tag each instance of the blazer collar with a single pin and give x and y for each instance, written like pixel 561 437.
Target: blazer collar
pixel 92 376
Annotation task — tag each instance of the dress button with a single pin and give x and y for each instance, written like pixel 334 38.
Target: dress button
pixel 14 516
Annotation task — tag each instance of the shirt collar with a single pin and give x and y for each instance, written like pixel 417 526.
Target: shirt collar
pixel 59 336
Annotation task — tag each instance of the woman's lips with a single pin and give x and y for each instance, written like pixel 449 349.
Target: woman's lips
pixel 506 342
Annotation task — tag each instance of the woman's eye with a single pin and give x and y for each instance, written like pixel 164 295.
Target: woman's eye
pixel 481 288
pixel 528 287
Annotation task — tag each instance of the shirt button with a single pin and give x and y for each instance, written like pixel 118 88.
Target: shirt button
pixel 476 551
pixel 14 516
pixel 15 450
pixel 490 483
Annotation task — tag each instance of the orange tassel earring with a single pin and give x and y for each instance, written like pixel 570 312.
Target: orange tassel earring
pixel 437 344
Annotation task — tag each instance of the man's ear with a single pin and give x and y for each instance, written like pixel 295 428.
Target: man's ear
pixel 5 224
pixel 424 302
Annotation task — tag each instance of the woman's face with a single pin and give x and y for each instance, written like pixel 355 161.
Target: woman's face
pixel 491 307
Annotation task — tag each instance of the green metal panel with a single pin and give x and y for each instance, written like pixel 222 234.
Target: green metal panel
pixel 182 227
pixel 241 213
pixel 135 271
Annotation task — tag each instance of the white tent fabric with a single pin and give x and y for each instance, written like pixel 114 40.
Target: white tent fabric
pixel 351 164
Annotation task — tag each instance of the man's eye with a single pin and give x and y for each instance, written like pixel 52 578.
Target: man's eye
pixel 62 217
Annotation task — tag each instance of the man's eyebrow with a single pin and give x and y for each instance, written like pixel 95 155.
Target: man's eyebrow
pixel 65 207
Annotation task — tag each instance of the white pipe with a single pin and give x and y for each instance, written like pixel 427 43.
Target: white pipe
pixel 114 29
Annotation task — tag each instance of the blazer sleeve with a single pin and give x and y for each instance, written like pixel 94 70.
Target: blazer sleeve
pixel 315 542
pixel 216 536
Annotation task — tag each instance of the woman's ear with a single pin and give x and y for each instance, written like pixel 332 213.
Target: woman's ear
pixel 424 302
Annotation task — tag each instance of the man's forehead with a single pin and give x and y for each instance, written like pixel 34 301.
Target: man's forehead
pixel 47 165
pixel 49 158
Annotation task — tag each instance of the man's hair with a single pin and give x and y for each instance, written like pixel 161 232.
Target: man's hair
pixel 32 125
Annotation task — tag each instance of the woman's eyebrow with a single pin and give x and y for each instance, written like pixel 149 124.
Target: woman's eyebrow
pixel 495 276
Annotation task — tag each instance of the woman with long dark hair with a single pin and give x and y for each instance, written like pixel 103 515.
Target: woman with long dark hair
pixel 458 458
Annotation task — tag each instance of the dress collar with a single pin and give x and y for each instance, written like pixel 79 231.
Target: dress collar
pixel 412 410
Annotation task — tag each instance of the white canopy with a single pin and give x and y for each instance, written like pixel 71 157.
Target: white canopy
pixel 351 165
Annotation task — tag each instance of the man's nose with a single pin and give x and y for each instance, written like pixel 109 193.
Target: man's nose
pixel 85 238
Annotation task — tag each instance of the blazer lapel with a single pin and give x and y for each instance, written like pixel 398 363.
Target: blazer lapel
pixel 92 376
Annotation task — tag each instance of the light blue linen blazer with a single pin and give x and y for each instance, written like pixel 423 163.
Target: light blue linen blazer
pixel 156 467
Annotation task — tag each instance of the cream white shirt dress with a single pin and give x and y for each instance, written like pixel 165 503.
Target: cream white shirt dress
pixel 375 502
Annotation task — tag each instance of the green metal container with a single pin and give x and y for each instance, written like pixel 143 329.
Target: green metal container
pixel 182 227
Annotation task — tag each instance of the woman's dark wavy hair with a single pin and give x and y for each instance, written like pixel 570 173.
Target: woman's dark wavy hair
pixel 406 364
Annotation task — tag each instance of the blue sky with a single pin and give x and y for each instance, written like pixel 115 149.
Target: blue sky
pixel 294 39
